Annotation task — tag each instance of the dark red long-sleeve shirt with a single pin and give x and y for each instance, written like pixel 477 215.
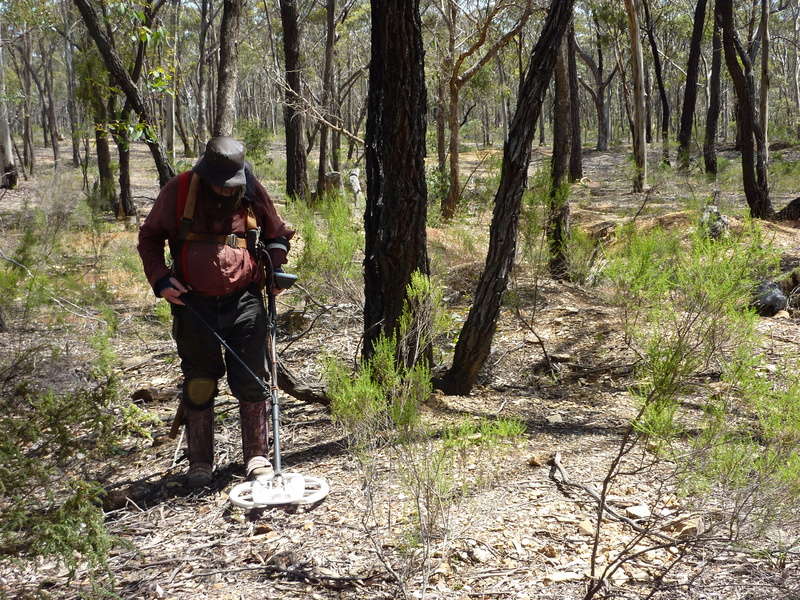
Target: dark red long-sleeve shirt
pixel 207 268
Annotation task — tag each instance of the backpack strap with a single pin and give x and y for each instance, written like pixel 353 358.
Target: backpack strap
pixel 251 219
pixel 187 202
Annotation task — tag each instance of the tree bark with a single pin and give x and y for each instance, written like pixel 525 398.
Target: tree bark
pixel 763 113
pixel 558 218
pixel 599 92
pixel 639 143
pixel 441 127
pixel 105 196
pixel 576 142
pixel 754 175
pixel 327 93
pixel 202 108
pixel 72 110
pixel 120 74
pixel 296 170
pixel 690 93
pixel 228 70
pixel 9 168
pixel 396 211
pixel 662 90
pixel 52 123
pixel 475 339
pixel 712 118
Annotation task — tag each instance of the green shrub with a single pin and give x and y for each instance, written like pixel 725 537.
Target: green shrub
pixel 41 434
pixel 386 391
pixel 330 240
pixel 256 141
pixel 686 304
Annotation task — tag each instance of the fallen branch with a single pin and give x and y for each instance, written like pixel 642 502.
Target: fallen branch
pixel 288 383
pixel 293 573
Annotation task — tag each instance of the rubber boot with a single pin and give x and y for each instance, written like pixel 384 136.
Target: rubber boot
pixel 200 442
pixel 255 438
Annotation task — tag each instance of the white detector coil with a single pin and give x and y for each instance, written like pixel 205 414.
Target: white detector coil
pixel 286 488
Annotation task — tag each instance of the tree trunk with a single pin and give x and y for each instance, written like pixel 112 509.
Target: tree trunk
pixel 662 90
pixel 763 113
pixel 690 93
pixel 72 110
pixel 441 127
pixel 120 74
pixel 202 108
pixel 712 118
pixel 450 201
pixel 396 211
pixel 475 339
pixel 9 168
pixel 51 110
pixel 639 144
pixel 648 108
pixel 296 176
pixel 327 94
pixel 599 92
pixel 558 218
pixel 228 71
pixel 576 142
pixel 28 156
pixel 754 179
pixel 105 195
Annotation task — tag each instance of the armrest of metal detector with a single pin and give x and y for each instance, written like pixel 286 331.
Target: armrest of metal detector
pixel 283 281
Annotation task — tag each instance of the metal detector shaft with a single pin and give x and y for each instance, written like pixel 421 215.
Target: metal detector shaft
pixel 276 410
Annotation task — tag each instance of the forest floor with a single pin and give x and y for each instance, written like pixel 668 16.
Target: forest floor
pixel 513 531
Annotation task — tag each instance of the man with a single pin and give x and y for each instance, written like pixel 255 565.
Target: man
pixel 213 218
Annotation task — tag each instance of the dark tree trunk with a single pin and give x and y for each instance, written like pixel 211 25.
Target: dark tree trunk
pixel 327 93
pixel 600 91
pixel 690 93
pixel 105 196
pixel 52 123
pixel 228 71
pixel 754 177
pixel 25 49
pixel 712 118
pixel 296 175
pixel 558 218
pixel 576 146
pixel 120 74
pixel 475 339
pixel 394 219
pixel 123 207
pixel 662 90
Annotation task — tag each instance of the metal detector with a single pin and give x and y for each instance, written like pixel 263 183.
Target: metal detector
pixel 279 487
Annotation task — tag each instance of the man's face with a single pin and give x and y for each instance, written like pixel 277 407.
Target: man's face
pixel 225 191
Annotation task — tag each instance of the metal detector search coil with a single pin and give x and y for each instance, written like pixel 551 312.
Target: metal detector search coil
pixel 273 490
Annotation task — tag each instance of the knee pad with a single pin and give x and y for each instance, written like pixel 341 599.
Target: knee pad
pixel 199 392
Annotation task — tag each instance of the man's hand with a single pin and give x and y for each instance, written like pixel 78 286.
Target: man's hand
pixel 174 292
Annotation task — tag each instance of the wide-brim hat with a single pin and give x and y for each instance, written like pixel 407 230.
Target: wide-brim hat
pixel 222 163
